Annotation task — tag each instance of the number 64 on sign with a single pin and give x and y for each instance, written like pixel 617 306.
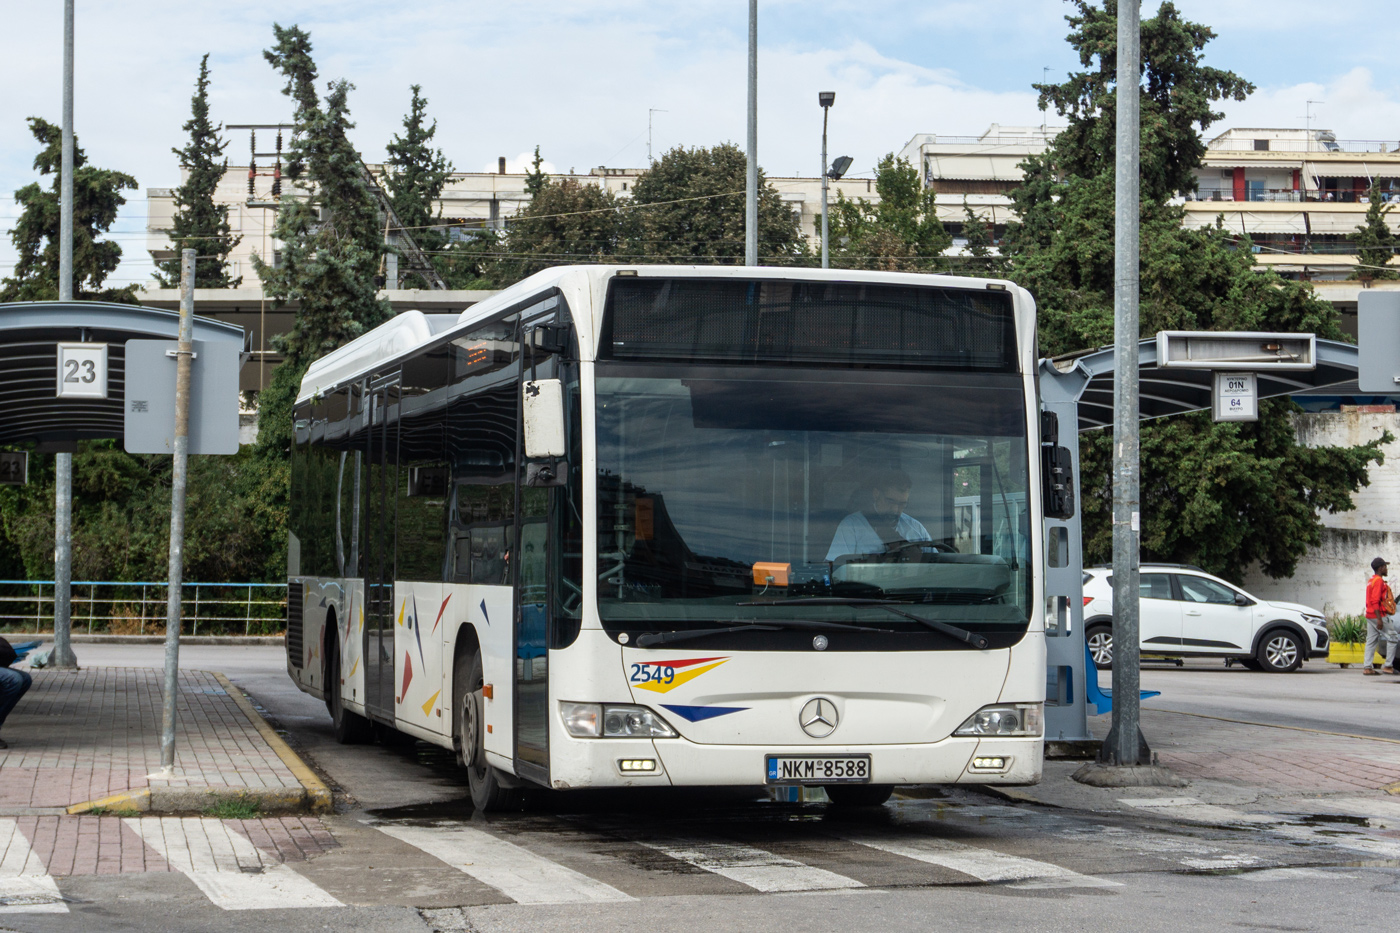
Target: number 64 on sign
pixel 82 370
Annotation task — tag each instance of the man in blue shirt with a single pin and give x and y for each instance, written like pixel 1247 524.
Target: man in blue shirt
pixel 868 531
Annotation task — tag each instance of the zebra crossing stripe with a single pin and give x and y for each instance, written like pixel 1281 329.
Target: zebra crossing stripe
pixel 516 872
pixel 25 884
pixel 228 868
pixel 982 864
pixel 757 868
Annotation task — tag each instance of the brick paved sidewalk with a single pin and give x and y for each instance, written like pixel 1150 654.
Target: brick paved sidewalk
pixel 85 735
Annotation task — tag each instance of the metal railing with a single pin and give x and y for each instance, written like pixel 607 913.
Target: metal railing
pixel 139 608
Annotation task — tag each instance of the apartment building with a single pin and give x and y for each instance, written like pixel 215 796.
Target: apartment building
pixel 471 200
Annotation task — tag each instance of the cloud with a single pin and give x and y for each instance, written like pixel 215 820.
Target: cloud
pixel 1351 105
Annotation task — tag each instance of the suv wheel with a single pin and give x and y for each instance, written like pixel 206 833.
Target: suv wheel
pixel 1099 638
pixel 1280 652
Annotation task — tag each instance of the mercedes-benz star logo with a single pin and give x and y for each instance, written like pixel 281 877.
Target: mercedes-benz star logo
pixel 818 718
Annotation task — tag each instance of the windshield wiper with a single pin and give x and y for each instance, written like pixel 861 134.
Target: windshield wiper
pixel 776 625
pixel 891 605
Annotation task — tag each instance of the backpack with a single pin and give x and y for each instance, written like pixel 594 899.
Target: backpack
pixel 1387 600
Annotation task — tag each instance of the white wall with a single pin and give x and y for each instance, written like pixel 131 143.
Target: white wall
pixel 1332 577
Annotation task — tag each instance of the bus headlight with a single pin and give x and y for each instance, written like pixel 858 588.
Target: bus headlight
pixel 592 720
pixel 1008 719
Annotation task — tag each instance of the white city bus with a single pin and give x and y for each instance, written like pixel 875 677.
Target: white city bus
pixel 665 525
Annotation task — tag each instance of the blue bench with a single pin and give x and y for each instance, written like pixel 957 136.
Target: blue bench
pixel 1102 700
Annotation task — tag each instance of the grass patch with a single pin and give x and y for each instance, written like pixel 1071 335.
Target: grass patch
pixel 111 811
pixel 1348 629
pixel 233 808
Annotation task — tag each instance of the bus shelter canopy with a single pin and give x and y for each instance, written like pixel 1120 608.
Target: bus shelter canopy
pixel 30 409
pixel 1088 378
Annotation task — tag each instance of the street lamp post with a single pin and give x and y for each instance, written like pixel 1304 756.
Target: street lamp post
pixel 826 99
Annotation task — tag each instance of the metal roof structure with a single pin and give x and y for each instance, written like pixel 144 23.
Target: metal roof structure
pixel 1088 378
pixel 29 334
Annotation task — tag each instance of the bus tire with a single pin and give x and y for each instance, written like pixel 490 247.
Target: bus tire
pixel 347 727
pixel 859 795
pixel 488 792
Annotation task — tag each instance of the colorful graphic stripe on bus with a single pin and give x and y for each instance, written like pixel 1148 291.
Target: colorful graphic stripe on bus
pixel 665 676
pixel 701 713
pixel 441 610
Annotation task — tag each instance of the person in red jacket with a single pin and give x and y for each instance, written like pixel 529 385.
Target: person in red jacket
pixel 1380 609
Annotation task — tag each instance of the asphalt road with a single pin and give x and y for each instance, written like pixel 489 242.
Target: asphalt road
pixel 937 860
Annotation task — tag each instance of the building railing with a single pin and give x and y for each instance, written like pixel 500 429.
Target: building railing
pixel 139 608
pixel 1246 144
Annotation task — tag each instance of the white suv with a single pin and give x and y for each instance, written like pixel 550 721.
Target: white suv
pixel 1186 612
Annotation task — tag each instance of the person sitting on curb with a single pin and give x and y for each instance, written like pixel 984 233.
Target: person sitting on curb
pixel 1380 612
pixel 13 684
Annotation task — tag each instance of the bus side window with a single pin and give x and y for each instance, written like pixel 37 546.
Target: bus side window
pixel 483 514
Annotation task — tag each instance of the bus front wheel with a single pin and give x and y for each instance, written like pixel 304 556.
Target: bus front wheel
pixel 487 790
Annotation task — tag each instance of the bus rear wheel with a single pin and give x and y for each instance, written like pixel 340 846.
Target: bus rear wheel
pixel 485 783
pixel 859 795
pixel 347 727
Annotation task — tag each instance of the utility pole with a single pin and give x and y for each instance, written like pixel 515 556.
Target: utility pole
pixel 751 192
pixel 1124 740
pixel 184 355
pixel 63 656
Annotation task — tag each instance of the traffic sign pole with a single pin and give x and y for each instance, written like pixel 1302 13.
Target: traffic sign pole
pixel 179 475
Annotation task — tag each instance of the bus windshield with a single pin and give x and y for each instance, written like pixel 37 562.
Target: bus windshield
pixel 731 494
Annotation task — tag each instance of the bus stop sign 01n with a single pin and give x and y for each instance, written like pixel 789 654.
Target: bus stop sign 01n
pixel 149 411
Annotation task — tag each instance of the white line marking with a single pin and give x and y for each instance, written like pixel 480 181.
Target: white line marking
pixel 757 868
pixel 518 873
pixel 982 864
pixel 25 884
pixel 228 868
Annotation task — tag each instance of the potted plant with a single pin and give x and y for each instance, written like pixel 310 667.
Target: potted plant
pixel 1348 640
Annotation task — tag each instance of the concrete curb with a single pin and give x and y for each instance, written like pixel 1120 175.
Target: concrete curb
pixel 315 795
pixel 139 800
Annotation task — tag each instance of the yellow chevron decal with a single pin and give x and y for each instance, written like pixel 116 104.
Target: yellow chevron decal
pixel 681 677
pixel 402 610
pixel 428 706
pixel 353 667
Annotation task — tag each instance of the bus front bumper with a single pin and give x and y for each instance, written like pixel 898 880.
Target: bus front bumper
pixel 678 762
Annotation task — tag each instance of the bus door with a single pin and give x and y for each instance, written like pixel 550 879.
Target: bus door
pixel 532 596
pixel 378 544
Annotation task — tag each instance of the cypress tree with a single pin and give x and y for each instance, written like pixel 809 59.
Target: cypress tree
pixel 200 223
pixel 416 174
pixel 1375 243
pixel 97 196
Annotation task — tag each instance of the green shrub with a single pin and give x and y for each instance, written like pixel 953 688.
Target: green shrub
pixel 1347 629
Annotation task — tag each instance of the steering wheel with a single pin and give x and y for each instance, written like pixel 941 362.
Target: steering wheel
pixel 912 552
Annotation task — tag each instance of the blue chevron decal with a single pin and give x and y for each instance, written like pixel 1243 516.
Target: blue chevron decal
pixel 701 713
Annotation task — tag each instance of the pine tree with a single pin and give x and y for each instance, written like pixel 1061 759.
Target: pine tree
pixel 97 196
pixel 689 208
pixel 330 231
pixel 200 223
pixel 416 174
pixel 900 232
pixel 1375 243
pixel 1222 496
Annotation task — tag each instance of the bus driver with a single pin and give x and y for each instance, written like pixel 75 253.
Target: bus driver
pixel 870 530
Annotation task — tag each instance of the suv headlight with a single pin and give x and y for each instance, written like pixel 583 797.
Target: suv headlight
pixel 1005 719
pixel 613 721
pixel 1319 621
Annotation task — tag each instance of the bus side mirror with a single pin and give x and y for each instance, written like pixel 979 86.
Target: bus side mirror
pixel 1059 483
pixel 542 406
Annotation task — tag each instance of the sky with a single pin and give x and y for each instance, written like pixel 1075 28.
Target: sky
pixel 580 80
